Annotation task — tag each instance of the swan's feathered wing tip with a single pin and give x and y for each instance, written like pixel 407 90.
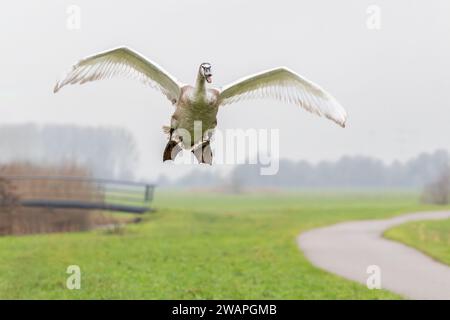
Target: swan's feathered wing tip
pixel 56 87
pixel 331 109
pixel 63 80
pixel 344 122
pixel 59 84
pixel 342 119
pixel 341 122
pixel 121 61
pixel 284 84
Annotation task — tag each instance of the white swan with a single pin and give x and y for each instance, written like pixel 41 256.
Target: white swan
pixel 198 104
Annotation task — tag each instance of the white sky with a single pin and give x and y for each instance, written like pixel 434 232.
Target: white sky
pixel 394 82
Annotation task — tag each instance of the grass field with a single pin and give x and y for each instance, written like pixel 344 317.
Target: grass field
pixel 198 246
pixel 430 237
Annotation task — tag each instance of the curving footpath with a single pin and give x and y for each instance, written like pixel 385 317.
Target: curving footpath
pixel 348 248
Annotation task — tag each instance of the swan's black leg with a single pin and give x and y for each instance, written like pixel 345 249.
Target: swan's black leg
pixel 171 151
pixel 172 148
pixel 203 153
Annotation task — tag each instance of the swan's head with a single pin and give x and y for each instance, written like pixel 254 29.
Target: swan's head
pixel 205 71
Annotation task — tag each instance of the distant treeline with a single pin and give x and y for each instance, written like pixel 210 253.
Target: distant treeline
pixel 349 171
pixel 108 152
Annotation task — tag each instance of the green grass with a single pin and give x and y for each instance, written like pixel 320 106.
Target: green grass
pixel 430 237
pixel 199 246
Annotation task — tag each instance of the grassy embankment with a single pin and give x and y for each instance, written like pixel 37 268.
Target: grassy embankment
pixel 430 237
pixel 199 246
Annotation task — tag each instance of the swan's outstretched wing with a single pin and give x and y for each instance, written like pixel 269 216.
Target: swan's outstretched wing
pixel 284 84
pixel 125 62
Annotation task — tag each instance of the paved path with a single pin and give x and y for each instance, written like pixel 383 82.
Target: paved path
pixel 348 248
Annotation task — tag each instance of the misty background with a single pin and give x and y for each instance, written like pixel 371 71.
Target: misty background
pixel 393 82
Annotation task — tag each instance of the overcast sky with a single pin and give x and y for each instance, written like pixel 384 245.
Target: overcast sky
pixel 394 82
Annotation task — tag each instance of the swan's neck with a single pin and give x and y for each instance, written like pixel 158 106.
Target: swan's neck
pixel 200 87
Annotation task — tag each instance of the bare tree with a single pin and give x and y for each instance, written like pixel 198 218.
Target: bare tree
pixel 438 192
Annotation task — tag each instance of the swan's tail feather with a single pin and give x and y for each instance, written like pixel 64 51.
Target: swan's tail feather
pixel 166 129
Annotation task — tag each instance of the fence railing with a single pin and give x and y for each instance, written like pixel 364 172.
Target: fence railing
pixel 82 193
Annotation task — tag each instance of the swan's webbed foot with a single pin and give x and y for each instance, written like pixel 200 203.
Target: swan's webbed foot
pixel 171 151
pixel 203 153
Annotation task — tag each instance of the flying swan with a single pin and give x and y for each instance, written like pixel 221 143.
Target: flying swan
pixel 198 104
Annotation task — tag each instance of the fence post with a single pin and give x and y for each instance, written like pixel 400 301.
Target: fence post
pixel 148 189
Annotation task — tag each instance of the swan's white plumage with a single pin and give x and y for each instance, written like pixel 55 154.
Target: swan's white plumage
pixel 279 83
pixel 125 62
pixel 285 85
pixel 200 103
